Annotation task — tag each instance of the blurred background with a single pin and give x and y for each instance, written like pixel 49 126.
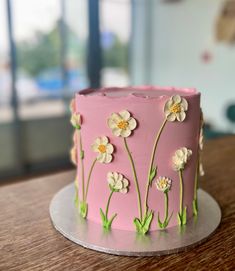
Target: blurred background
pixel 50 49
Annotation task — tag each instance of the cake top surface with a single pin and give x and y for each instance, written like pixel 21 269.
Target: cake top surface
pixel 140 91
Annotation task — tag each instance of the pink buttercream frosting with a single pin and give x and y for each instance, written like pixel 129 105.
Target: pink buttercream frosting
pixel 146 105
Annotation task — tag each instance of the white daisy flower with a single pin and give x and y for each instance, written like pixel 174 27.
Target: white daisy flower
pixel 180 158
pixel 201 137
pixel 76 121
pixel 104 149
pixel 118 182
pixel 122 123
pixel 175 108
pixel 163 184
pixel 201 170
pixel 73 155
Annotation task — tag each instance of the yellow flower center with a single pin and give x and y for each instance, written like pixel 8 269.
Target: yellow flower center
pixel 162 183
pixel 175 108
pixel 122 125
pixel 102 148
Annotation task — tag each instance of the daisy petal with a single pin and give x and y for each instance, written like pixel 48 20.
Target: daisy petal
pixel 126 132
pixel 120 177
pixel 118 184
pixel 109 148
pixel 115 175
pixel 104 140
pixel 116 131
pixel 98 141
pixel 94 147
pixel 111 181
pixel 171 117
pixel 132 123
pixel 184 104
pixel 125 114
pixel 116 117
pixel 167 112
pixel 201 170
pixel 111 123
pixel 110 175
pixel 125 182
pixel 108 158
pixel 176 99
pixel 101 157
pixel 123 190
pixel 181 116
pixel 168 104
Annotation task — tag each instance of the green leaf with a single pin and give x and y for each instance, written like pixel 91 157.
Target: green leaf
pixel 143 227
pixel 109 222
pixel 83 208
pixel 76 196
pixel 159 221
pixel 168 220
pixel 184 216
pixel 179 219
pixel 82 154
pixel 78 126
pixel 137 224
pixel 195 207
pixel 102 216
pixel 147 222
pixel 153 173
pixel 145 216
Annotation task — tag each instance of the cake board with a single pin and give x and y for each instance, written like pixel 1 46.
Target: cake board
pixel 89 234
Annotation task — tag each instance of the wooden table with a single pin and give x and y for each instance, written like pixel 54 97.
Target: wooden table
pixel 28 240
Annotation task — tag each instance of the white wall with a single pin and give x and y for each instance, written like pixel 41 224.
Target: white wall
pixel 180 33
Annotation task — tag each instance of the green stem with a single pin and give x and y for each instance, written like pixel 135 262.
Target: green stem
pixel 151 162
pixel 181 191
pixel 107 206
pixel 76 200
pixel 166 207
pixel 135 178
pixel 82 165
pixel 89 178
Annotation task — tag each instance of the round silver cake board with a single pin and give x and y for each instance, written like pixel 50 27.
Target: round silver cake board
pixel 91 235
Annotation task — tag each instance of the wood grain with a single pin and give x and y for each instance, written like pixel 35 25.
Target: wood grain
pixel 28 240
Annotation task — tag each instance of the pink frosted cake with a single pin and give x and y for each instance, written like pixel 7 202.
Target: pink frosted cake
pixel 137 152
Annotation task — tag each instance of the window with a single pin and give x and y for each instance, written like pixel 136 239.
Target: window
pixel 49 39
pixel 115 25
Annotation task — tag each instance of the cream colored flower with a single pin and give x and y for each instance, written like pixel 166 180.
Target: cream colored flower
pixel 117 182
pixel 72 106
pixel 201 138
pixel 175 108
pixel 76 121
pixel 163 184
pixel 180 158
pixel 122 123
pixel 104 149
pixel 73 155
pixel 201 170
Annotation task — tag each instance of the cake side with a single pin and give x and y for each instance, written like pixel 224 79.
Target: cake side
pixel 169 116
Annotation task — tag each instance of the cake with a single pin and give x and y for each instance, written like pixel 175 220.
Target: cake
pixel 137 154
